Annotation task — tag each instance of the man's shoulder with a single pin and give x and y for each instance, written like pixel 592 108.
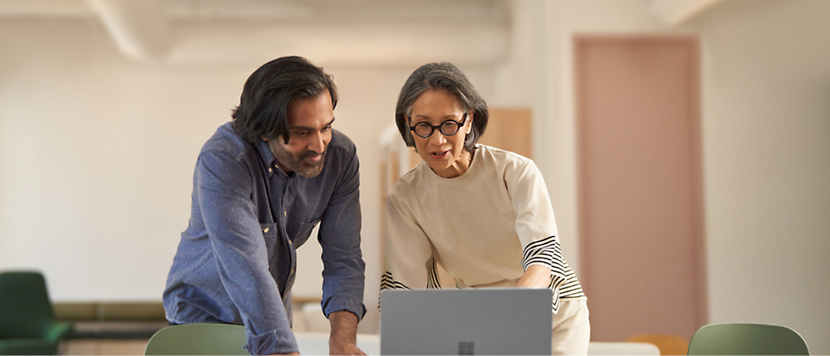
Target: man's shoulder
pixel 339 141
pixel 226 140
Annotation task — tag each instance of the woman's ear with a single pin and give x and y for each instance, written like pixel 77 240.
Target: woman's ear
pixel 470 122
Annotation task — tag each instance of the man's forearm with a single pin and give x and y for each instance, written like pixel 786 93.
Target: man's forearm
pixel 343 326
pixel 343 339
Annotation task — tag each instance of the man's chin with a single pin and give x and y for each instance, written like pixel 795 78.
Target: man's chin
pixel 310 170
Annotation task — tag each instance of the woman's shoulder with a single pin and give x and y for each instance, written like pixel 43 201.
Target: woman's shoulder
pixel 501 158
pixel 409 182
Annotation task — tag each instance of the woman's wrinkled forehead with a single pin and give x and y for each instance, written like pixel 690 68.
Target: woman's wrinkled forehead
pixel 458 102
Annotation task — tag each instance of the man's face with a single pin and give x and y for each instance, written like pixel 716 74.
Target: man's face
pixel 309 125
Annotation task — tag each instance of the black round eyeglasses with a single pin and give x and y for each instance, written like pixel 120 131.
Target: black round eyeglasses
pixel 448 127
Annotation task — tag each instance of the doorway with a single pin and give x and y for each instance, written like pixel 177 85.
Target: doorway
pixel 640 184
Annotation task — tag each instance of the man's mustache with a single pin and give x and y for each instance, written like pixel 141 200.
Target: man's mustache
pixel 310 153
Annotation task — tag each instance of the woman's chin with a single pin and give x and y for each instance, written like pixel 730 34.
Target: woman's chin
pixel 437 166
pixel 443 170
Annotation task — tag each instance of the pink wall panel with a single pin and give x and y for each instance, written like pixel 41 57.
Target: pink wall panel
pixel 640 185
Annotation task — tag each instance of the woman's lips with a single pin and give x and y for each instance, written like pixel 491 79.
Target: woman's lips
pixel 440 154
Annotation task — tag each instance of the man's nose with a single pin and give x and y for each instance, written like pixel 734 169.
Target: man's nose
pixel 317 144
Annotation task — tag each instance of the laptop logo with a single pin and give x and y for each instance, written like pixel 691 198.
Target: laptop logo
pixel 466 348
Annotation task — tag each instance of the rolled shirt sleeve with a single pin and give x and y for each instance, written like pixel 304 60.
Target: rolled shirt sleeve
pixel 339 237
pixel 236 260
pixel 224 192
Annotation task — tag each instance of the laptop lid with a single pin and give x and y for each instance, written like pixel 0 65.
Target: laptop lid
pixel 514 321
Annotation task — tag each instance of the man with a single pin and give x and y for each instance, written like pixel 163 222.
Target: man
pixel 262 182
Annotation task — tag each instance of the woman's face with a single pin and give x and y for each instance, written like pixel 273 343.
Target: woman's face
pixel 444 154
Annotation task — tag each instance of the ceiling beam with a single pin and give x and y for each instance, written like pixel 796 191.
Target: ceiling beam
pixel 676 12
pixel 341 43
pixel 142 30
pixel 138 27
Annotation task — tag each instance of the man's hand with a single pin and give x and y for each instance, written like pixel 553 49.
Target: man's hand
pixel 343 339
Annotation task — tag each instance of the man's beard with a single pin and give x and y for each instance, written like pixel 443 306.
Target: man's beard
pixel 297 163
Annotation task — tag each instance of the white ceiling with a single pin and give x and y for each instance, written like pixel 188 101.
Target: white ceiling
pixel 365 32
pixel 280 9
pixel 331 31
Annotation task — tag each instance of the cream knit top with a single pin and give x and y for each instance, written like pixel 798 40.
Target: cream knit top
pixel 485 227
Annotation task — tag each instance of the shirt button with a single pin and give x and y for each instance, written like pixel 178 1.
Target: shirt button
pixel 290 243
pixel 285 213
pixel 266 230
pixel 270 170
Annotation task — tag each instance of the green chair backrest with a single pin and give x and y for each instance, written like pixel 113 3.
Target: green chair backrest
pixel 747 339
pixel 198 339
pixel 24 305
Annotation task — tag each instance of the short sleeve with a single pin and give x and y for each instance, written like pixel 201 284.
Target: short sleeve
pixel 409 260
pixel 535 221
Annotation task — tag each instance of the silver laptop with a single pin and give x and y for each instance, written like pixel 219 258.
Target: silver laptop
pixel 513 321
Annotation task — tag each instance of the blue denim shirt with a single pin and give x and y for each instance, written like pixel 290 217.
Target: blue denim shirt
pixel 236 261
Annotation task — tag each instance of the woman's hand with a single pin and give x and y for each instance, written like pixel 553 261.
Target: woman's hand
pixel 535 276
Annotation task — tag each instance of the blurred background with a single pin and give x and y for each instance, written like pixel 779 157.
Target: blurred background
pixel 104 105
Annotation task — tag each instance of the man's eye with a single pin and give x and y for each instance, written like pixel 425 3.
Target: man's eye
pixel 327 128
pixel 301 133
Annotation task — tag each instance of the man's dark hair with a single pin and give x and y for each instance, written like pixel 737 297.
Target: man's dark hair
pixel 441 77
pixel 263 106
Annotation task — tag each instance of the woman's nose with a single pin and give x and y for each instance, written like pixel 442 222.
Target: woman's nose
pixel 437 138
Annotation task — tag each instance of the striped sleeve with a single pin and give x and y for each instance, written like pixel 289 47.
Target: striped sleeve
pixel 546 252
pixel 536 228
pixel 388 281
pixel 409 263
pixel 432 275
pixel 571 287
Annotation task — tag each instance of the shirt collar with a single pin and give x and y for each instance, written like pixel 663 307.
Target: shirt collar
pixel 267 157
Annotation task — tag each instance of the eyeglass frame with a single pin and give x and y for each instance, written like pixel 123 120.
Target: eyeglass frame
pixel 433 128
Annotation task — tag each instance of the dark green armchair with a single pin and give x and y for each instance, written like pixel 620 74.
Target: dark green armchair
pixel 27 321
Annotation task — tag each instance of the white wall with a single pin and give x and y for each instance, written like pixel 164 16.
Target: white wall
pixel 97 151
pixel 97 154
pixel 766 139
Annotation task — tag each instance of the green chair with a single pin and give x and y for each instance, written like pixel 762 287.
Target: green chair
pixel 747 339
pixel 198 339
pixel 27 322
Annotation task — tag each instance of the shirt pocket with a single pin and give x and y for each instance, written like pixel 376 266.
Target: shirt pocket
pixel 269 235
pixel 304 232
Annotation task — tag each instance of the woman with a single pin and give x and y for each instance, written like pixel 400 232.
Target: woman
pixel 482 213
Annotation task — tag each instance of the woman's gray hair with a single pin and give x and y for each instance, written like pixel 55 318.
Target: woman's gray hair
pixel 441 77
